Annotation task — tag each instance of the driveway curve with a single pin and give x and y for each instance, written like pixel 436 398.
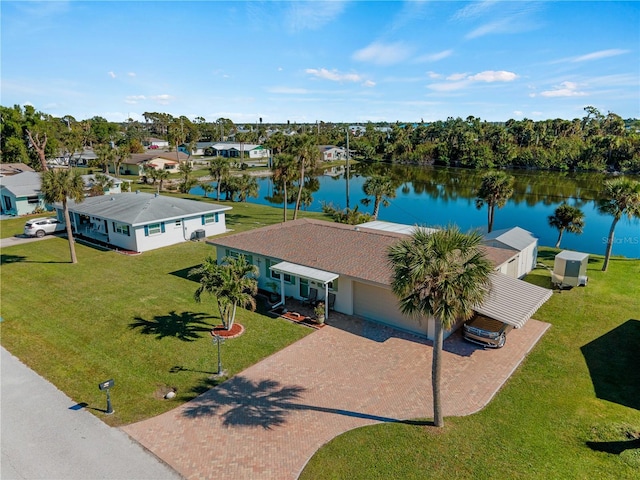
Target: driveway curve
pixel 269 420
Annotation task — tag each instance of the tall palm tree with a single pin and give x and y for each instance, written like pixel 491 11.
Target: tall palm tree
pixel 621 198
pixel 567 218
pixel 381 189
pixel 186 170
pixel 247 187
pixel 233 283
pixel 219 170
pixel 307 153
pixel 443 275
pixel 161 176
pixel 284 172
pixel 60 185
pixel 207 188
pixel 496 188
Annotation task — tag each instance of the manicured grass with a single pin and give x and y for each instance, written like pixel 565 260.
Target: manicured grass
pixel 131 318
pixel 572 410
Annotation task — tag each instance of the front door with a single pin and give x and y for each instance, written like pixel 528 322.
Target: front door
pixel 304 288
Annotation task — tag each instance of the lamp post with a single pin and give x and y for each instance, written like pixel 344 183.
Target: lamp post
pixel 106 386
pixel 218 339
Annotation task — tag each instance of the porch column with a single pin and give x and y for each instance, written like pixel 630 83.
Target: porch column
pixel 326 302
pixel 282 296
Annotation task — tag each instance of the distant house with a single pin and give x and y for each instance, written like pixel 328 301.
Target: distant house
pixel 331 152
pixel 351 263
pixel 138 162
pixel 229 150
pixel 522 243
pixel 141 222
pixel 153 143
pixel 21 193
pixel 90 182
pixel 8 169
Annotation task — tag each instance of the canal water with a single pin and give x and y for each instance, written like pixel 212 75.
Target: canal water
pixel 433 196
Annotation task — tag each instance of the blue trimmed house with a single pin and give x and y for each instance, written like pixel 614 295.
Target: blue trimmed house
pixel 140 222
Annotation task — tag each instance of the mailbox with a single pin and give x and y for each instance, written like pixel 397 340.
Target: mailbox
pixel 106 385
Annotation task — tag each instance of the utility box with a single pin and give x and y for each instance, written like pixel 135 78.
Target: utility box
pixel 200 234
pixel 570 269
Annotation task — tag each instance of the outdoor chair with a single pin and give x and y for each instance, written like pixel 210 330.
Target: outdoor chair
pixel 313 297
pixel 332 301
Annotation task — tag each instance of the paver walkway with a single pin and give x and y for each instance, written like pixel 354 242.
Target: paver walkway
pixel 267 422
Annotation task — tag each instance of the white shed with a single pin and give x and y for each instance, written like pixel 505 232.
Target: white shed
pixel 570 269
pixel 523 244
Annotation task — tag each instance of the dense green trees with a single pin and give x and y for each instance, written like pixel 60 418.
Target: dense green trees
pixel 441 275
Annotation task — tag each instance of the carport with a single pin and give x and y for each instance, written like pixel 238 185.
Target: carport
pixel 300 271
pixel 513 301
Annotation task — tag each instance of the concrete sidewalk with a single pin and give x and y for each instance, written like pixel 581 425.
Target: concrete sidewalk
pixel 43 438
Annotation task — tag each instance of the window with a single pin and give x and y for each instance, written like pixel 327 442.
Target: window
pixel 33 199
pixel 121 228
pixel 270 272
pixel 178 223
pixel 233 254
pixel 333 286
pixel 209 218
pixel 289 279
pixel 154 229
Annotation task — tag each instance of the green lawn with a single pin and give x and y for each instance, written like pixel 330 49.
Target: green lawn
pixel 540 423
pixel 131 318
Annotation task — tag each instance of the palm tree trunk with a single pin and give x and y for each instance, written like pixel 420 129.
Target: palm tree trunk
pixel 436 374
pixel 232 317
pixel 489 218
pixel 609 243
pixel 67 221
pixel 284 203
pixel 218 181
pixel 376 208
pixel 295 212
pixel 561 231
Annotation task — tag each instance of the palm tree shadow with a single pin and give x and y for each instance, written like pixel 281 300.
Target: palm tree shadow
pixel 186 326
pixel 241 402
pixel 4 258
pixel 615 447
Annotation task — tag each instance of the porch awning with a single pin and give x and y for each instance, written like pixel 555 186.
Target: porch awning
pixel 294 269
pixel 513 301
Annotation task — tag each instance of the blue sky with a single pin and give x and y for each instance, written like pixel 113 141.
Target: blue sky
pixel 334 61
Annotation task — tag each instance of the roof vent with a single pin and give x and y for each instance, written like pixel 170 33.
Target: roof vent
pixel 357 229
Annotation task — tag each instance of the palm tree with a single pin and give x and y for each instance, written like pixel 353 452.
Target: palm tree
pixel 381 189
pixel 307 153
pixel 284 171
pixel 219 170
pixel 247 187
pixel 59 185
pixel 186 169
pixel 207 188
pixel 443 275
pixel 567 218
pixel 161 176
pixel 621 197
pixel 101 183
pixel 233 283
pixel 496 188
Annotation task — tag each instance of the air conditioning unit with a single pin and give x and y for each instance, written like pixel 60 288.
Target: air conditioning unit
pixel 200 234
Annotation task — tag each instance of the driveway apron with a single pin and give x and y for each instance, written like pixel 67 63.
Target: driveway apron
pixel 268 421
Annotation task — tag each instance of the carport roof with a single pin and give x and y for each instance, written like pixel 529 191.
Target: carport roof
pixel 513 301
pixel 321 276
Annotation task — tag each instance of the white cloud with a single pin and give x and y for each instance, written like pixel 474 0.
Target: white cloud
pixel 565 89
pixel 288 90
pixel 312 15
pixel 111 74
pixel 383 54
pixel 131 74
pixel 600 54
pixel 474 9
pixel 334 75
pixel 454 77
pixel 493 76
pixel 133 99
pixel 434 75
pixel 518 113
pixel 369 83
pixel 163 99
pixel 434 57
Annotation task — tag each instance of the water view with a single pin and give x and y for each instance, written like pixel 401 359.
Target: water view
pixel 442 196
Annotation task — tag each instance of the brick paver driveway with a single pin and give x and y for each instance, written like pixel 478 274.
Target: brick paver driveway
pixel 267 422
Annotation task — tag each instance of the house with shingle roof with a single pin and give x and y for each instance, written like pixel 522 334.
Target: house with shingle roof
pixel 351 263
pixel 20 194
pixel 140 222
pixel 136 163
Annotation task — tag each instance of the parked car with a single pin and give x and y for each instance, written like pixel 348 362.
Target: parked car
pixel 39 227
pixel 486 331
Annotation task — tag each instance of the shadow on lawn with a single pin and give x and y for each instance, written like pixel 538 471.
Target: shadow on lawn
pixel 613 364
pixel 242 402
pixel 184 273
pixel 186 326
pixel 615 447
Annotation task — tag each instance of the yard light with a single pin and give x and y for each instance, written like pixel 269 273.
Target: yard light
pixel 218 339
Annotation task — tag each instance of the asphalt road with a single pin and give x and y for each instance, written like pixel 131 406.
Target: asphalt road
pixel 42 437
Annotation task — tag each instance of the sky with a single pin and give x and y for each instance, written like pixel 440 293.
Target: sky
pixel 332 61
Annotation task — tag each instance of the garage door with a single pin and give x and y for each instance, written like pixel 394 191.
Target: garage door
pixel 380 304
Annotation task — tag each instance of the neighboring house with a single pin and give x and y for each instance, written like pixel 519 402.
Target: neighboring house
pixel 8 169
pixel 154 143
pixel 138 162
pixel 522 243
pixel 21 194
pixel 143 221
pixel 330 153
pixel 229 150
pixel 351 262
pixel 90 181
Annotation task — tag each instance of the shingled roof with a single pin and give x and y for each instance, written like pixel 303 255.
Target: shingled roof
pixel 334 247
